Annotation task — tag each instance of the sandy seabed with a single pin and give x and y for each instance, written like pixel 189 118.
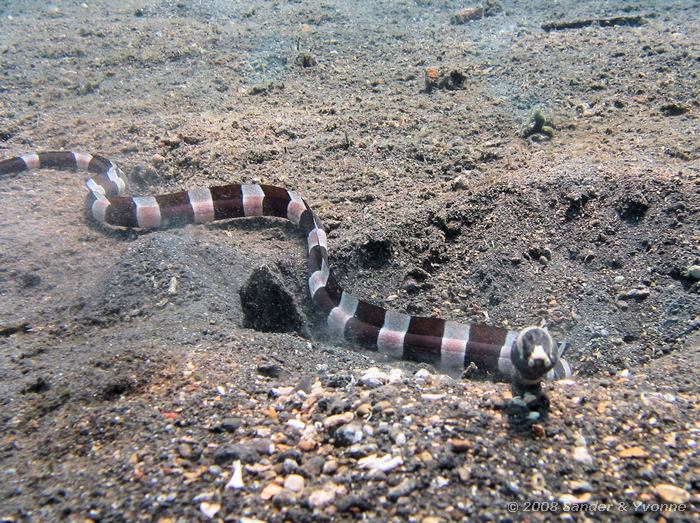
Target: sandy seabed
pixel 126 397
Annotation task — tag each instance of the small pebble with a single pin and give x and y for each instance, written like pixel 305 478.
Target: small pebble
pixel 209 509
pixel 338 419
pixel 582 455
pixel 307 444
pixel 296 424
pixel 459 445
pixel 325 495
pixel 580 486
pixel 271 490
pixel 694 272
pixel 377 464
pixel 185 450
pixel 538 430
pixel 640 293
pixel 672 494
pixel 349 434
pixel 330 466
pixel 404 488
pixel 432 397
pixel 363 410
pixel 294 482
pixel 395 376
pixel 374 377
pixel 634 452
pixel 400 439
pixel 421 375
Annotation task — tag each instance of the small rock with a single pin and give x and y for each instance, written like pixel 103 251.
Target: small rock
pixel 294 482
pixel 363 410
pixel 187 452
pixel 466 15
pixel 377 464
pixel 349 434
pixel 449 79
pixel 325 495
pixel 296 424
pixel 634 452
pixel 246 452
pixel 304 59
pixel 458 184
pixel 582 455
pixel 399 438
pixel 538 430
pixel 395 376
pixel 673 109
pixel 459 445
pixel 286 498
pixel 432 397
pixel 694 272
pixel 172 140
pixel 228 425
pixel 360 451
pixel 338 419
pixel 290 466
pixel 404 488
pixel 269 370
pixel 374 377
pixel 579 487
pixel 465 473
pixel 671 493
pixel 314 466
pixel 271 490
pixel 354 503
pixel 330 466
pixel 307 444
pixel 421 375
pixel 209 509
pixel 639 294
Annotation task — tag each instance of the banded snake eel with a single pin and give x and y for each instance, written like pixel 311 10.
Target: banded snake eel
pixel 526 356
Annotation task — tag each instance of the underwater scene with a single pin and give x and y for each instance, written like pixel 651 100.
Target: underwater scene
pixel 315 261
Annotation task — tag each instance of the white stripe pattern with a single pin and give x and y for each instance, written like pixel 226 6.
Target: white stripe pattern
pixel 147 212
pixel 319 278
pixel 317 237
pixel 114 174
pixel 454 344
pixel 253 196
pixel 202 205
pixel 505 364
pixel 31 160
pixel 95 188
pixel 82 160
pixel 392 333
pixel 295 208
pixel 99 207
pixel 340 315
